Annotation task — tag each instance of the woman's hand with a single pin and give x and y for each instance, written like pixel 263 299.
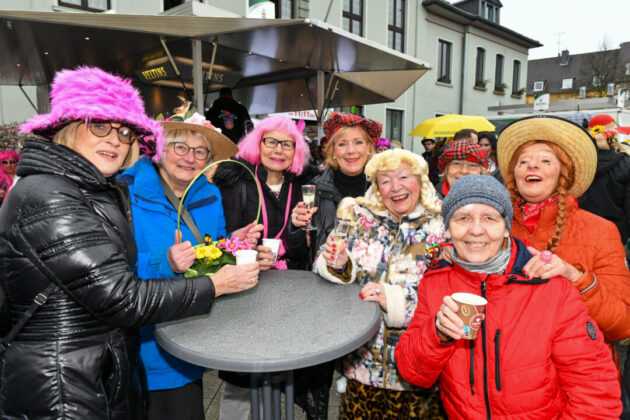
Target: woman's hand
pixel 181 256
pixel 374 293
pixel 300 215
pixel 447 322
pixel 332 251
pixel 1 194
pixel 264 257
pixel 250 233
pixel 545 265
pixel 235 278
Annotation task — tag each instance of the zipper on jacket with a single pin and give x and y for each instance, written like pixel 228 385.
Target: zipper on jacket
pixel 485 353
pixel 123 200
pixel 497 363
pixel 471 374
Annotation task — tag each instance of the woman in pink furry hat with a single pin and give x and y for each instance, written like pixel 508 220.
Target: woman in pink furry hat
pixel 69 256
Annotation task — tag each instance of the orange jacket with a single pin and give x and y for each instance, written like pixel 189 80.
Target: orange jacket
pixel 592 245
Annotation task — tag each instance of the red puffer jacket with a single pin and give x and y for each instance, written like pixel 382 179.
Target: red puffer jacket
pixel 538 355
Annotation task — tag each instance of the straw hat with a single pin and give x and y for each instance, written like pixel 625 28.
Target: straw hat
pixel 570 137
pixel 186 119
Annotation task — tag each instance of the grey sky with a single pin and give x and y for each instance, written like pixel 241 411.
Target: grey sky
pixel 577 25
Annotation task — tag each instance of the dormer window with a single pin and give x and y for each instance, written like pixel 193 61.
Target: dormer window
pixel 489 11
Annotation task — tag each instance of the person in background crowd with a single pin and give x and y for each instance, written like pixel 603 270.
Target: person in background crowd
pixel 547 163
pixel 545 358
pixel 609 197
pixel 466 133
pixel 230 116
pixel 609 194
pixel 488 142
pixel 382 145
pixel 276 152
pixel 460 158
pixel 428 145
pixel 395 222
pixel 9 160
pixel 396 144
pixel 175 389
pixel 65 240
pixel 351 146
pixel 434 170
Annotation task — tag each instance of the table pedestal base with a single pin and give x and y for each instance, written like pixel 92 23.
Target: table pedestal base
pixel 270 384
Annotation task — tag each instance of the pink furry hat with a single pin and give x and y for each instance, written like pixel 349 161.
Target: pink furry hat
pixel 249 146
pixel 89 93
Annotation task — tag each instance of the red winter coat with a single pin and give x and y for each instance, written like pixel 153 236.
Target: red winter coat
pixel 538 355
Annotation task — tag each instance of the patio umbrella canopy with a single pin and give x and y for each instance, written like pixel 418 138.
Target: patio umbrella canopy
pixel 448 125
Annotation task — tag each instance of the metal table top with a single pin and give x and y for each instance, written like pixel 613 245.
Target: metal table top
pixel 289 320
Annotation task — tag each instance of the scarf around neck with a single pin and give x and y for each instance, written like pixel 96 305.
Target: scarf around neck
pixel 532 212
pixel 495 265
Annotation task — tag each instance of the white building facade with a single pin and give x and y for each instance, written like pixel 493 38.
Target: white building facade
pixel 476 63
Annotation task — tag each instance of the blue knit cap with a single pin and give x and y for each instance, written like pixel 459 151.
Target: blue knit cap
pixel 478 189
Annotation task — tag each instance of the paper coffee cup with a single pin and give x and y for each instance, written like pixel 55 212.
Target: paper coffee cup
pixel 274 244
pixel 245 256
pixel 472 309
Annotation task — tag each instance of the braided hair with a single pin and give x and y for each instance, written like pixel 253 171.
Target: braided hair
pixel 565 182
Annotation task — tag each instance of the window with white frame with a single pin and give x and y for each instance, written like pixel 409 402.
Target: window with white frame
pixel 444 61
pixel 498 74
pixel 538 86
pixel 396 25
pixel 394 123
pixel 516 77
pixel 627 69
pixel 567 83
pixel 87 5
pixel 480 65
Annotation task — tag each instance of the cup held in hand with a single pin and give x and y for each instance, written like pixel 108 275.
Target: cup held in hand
pixel 245 256
pixel 274 245
pixel 472 309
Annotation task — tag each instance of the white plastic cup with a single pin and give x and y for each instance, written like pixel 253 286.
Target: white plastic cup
pixel 245 256
pixel 274 244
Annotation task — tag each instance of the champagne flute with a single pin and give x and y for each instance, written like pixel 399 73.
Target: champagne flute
pixel 308 196
pixel 340 234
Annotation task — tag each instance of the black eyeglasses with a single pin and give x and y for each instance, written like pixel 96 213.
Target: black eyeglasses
pixel 102 129
pixel 182 149
pixel 272 143
pixel 7 162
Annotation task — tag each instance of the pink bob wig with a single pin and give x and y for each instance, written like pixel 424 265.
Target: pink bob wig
pixel 249 146
pixel 9 154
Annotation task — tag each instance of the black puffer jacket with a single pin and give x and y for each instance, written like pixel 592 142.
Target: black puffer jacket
pixel 240 205
pixel 609 194
pixel 78 356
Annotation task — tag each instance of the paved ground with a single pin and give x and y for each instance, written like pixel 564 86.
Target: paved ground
pixel 213 388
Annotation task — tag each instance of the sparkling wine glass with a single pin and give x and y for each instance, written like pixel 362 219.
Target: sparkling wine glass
pixel 308 196
pixel 340 234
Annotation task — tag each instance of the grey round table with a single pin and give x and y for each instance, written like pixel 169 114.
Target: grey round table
pixel 291 319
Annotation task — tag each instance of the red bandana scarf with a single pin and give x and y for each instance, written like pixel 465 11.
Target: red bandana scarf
pixel 531 212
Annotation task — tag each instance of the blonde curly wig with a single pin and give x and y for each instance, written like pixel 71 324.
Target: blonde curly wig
pixel 390 160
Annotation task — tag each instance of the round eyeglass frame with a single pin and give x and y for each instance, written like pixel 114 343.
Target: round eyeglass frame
pixel 123 139
pixel 204 150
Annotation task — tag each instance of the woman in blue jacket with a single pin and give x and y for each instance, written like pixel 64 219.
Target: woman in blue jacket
pixel 174 385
